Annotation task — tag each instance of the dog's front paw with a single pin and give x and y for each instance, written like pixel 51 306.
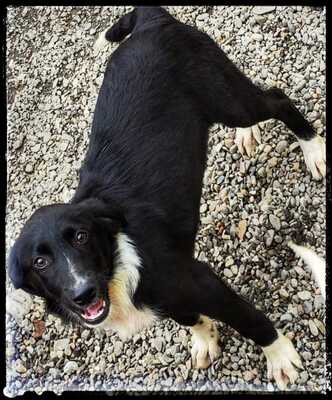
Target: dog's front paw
pixel 282 361
pixel 246 139
pixel 204 352
pixel 314 152
pixel 205 344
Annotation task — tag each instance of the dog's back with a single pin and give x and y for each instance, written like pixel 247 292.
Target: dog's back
pixel 149 133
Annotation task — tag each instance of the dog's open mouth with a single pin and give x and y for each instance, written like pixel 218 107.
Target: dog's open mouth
pixel 96 312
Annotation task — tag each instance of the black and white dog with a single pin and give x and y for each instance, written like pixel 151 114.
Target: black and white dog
pixel 120 255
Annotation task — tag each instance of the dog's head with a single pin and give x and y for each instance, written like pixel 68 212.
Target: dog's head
pixel 65 254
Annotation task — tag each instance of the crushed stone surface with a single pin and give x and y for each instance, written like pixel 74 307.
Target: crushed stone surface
pixel 250 208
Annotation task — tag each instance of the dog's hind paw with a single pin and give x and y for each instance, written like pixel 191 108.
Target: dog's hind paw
pixel 314 153
pixel 246 139
pixel 282 361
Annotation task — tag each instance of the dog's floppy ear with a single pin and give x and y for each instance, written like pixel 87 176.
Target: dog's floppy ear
pixel 15 269
pixel 111 214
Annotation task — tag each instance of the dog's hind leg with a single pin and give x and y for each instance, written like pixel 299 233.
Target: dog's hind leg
pixel 231 98
pixel 273 103
pixel 277 105
pixel 282 108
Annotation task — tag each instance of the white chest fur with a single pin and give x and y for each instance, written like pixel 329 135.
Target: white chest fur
pixel 124 317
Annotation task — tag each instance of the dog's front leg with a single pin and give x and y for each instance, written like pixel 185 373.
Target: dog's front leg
pixel 206 297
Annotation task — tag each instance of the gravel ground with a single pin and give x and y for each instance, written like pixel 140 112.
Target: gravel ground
pixel 53 80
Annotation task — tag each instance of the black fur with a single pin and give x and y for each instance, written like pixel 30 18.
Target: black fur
pixel 163 87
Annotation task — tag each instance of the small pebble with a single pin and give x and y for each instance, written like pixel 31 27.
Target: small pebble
pixel 29 168
pixel 313 328
pixel 228 273
pixel 70 367
pixel 275 222
pixel 281 146
pixel 229 261
pixel 304 295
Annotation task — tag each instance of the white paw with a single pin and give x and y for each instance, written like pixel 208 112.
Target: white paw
pixel 246 139
pixel 205 347
pixel 314 152
pixel 18 304
pixel 282 360
pixel 204 352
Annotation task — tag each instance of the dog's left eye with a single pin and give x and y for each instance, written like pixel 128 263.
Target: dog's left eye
pixel 40 262
pixel 81 237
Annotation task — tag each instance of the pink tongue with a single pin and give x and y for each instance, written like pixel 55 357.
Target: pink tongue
pixel 93 310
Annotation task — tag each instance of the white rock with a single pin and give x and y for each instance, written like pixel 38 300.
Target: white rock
pixel 293 146
pixel 159 344
pixel 18 304
pixel 61 344
pixel 304 295
pixel 118 348
pixel 275 222
pixel 29 168
pixel 283 292
pixel 228 273
pixel 20 367
pixel 70 367
pixel 248 376
pixel 259 10
pixel 229 261
pixel 313 328
pixel 281 146
pixel 234 269
pixel 257 37
pixel 269 237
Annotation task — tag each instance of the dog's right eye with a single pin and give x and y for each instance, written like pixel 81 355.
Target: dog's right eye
pixel 40 262
pixel 81 237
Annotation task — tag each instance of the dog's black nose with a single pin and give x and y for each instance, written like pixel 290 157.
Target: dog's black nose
pixel 84 294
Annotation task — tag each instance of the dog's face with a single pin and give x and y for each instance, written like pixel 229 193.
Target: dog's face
pixel 65 254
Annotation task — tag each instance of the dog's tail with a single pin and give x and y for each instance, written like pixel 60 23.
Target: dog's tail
pixel 118 31
pixel 316 264
pixel 126 24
